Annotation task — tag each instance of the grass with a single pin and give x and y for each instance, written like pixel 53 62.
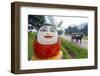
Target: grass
pixel 74 50
pixel 31 36
pixel 69 49
pixel 65 53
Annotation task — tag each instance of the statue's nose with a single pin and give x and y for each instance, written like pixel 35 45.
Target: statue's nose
pixel 48 33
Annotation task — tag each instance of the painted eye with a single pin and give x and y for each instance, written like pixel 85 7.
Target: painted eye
pixel 52 30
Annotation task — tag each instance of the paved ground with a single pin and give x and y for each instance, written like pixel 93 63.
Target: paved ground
pixel 84 43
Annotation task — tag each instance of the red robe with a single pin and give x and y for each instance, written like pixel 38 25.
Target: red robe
pixel 46 51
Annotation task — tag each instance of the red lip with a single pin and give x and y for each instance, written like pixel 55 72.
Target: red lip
pixel 48 36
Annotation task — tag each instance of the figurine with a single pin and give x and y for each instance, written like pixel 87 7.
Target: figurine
pixel 47 43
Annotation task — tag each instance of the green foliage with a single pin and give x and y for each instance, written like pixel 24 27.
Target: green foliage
pixel 36 21
pixel 72 29
pixel 31 36
pixel 65 53
pixel 74 49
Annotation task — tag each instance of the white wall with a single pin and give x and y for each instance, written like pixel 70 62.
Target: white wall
pixel 5 42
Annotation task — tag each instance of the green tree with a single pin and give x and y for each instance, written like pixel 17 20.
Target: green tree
pixel 36 21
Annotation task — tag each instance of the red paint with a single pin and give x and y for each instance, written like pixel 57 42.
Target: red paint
pixel 46 51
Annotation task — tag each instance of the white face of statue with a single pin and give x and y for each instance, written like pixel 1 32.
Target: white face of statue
pixel 47 35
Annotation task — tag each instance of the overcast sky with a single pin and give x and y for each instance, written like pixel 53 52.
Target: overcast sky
pixel 70 20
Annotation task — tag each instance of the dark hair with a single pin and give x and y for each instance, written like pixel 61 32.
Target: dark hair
pixel 47 24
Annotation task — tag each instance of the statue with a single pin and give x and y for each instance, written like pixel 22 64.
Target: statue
pixel 47 44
